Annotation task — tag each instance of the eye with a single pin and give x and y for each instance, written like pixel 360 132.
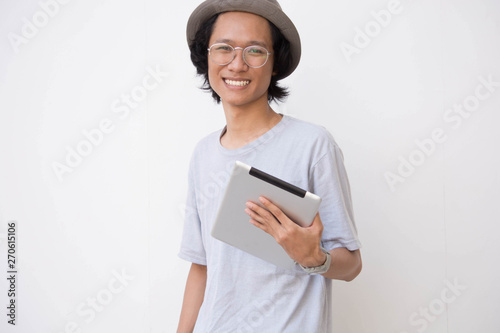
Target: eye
pixel 223 48
pixel 256 50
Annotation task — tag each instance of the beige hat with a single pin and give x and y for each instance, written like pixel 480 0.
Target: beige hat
pixel 269 9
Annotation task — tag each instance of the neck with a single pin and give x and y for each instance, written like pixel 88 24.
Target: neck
pixel 247 123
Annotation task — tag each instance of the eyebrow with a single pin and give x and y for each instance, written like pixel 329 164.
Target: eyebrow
pixel 252 42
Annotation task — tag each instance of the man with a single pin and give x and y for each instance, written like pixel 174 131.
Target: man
pixel 243 48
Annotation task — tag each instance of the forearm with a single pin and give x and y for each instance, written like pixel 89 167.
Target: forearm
pixel 302 244
pixel 193 298
pixel 346 265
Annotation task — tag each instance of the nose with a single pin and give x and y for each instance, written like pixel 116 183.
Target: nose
pixel 238 64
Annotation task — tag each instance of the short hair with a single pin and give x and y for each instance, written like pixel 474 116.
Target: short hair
pixel 282 59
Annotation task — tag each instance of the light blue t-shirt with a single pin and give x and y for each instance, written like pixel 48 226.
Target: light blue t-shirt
pixel 244 293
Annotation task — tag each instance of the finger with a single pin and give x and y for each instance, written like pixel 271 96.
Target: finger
pixel 259 225
pixel 256 217
pixel 317 221
pixel 270 224
pixel 317 224
pixel 275 211
pixel 264 215
pixel 257 221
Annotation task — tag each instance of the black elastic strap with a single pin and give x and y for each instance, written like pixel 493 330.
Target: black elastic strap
pixel 277 182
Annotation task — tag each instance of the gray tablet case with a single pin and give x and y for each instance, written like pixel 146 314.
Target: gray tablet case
pixel 232 224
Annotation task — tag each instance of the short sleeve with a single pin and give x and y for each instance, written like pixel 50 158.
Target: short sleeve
pixel 192 246
pixel 330 182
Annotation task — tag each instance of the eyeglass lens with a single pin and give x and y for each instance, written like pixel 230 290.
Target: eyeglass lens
pixel 223 54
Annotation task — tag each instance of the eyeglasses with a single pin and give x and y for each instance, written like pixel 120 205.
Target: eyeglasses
pixel 254 56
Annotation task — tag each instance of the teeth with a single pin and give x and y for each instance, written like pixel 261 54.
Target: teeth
pixel 237 83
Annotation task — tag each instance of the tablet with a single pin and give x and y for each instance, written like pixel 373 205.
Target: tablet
pixel 232 224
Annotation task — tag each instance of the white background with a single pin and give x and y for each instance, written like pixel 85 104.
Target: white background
pixel 119 210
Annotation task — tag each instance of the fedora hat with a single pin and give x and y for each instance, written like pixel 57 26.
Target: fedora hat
pixel 269 9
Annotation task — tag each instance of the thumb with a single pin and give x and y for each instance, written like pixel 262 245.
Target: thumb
pixel 317 223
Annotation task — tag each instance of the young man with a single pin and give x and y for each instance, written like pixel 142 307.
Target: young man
pixel 243 48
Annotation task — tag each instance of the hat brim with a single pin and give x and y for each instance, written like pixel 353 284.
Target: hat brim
pixel 264 8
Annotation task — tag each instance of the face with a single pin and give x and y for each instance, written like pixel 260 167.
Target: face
pixel 240 29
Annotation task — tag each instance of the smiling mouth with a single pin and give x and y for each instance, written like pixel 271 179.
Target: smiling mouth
pixel 237 83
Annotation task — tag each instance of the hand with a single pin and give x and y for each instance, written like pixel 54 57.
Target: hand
pixel 301 244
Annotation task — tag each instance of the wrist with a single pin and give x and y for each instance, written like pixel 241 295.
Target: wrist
pixel 320 268
pixel 317 259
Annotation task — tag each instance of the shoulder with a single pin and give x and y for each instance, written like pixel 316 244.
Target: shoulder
pixel 315 134
pixel 204 149
pixel 207 143
pixel 314 142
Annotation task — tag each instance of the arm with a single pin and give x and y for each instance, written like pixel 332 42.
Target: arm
pixel 303 244
pixel 346 265
pixel 193 297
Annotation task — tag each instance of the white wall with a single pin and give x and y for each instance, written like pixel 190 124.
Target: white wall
pixel 118 212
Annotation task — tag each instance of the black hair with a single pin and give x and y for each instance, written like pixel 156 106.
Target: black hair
pixel 282 59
